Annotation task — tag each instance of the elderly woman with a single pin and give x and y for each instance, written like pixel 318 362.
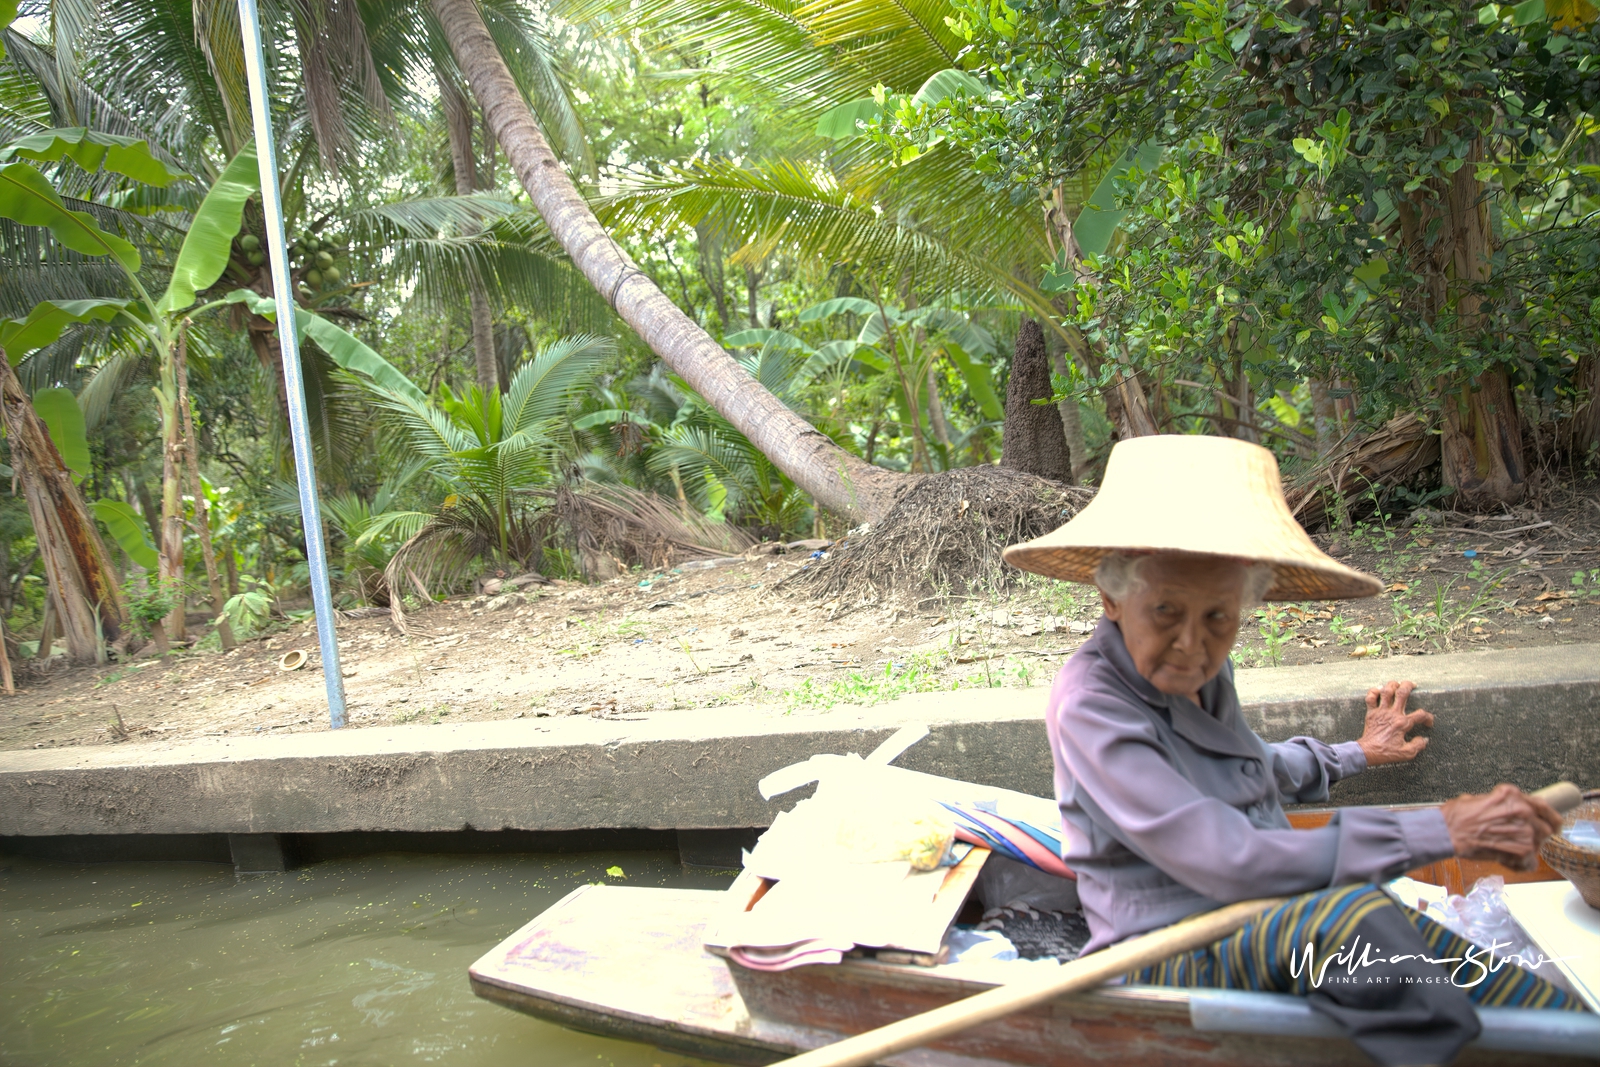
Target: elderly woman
pixel 1171 803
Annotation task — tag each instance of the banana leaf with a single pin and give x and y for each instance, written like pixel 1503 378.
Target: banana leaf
pixel 64 419
pixel 128 528
pixel 209 242
pixel 91 149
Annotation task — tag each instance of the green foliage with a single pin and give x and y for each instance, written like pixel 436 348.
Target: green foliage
pixel 59 410
pixel 208 243
pixel 1296 223
pixel 8 15
pixel 341 346
pixel 249 610
pixel 27 197
pixel 1275 635
pixel 129 530
pixel 848 119
pixel 92 149
pixel 488 453
pixel 148 606
pixel 48 318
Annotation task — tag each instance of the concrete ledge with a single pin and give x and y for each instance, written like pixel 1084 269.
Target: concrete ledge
pixel 1527 717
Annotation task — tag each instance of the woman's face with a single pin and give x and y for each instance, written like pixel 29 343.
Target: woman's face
pixel 1180 625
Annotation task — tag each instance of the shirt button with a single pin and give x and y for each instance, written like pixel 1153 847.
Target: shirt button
pixel 1250 767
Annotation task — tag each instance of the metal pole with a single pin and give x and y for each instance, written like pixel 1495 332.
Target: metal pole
pixel 255 66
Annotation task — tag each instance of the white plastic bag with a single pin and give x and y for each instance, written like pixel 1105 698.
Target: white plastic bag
pixel 1482 918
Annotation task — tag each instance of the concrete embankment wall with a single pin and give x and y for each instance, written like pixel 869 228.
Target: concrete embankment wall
pixel 1523 716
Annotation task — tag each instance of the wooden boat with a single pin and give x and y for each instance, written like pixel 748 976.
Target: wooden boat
pixel 632 963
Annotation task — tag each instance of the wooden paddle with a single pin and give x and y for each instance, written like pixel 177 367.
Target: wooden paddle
pixel 1075 977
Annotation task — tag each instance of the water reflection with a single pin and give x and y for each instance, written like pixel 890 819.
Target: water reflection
pixel 349 962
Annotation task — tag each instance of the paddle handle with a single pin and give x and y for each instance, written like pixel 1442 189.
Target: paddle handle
pixel 1563 796
pixel 1080 975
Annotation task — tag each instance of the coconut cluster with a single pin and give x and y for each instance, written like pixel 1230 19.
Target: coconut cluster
pixel 314 255
pixel 311 256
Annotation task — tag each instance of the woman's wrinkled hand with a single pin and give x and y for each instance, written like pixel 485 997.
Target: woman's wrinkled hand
pixel 1505 825
pixel 1388 723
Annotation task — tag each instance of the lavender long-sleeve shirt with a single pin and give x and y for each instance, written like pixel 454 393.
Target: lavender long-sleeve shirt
pixel 1172 808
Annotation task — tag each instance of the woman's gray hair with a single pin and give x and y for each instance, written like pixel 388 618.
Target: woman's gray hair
pixel 1118 574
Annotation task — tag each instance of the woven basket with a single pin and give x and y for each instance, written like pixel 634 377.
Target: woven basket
pixel 1580 865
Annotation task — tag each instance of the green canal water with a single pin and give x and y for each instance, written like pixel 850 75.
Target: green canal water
pixel 350 962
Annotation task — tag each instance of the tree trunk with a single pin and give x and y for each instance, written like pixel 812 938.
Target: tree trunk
pixel 5 663
pixel 1126 402
pixel 1071 425
pixel 171 545
pixel 261 331
pixel 202 518
pixel 1480 446
pixel 838 480
pixel 47 630
pixel 458 123
pixel 138 494
pixel 1242 417
pixel 1585 433
pixel 1448 238
pixel 75 560
pixel 1324 416
pixel 752 295
pixel 936 421
pixel 1032 440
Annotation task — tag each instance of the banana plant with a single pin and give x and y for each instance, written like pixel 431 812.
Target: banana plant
pixel 906 343
pixel 157 324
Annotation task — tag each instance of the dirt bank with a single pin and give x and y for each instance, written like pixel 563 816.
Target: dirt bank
pixel 649 643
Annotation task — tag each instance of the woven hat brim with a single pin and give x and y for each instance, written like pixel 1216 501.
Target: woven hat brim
pixel 1292 579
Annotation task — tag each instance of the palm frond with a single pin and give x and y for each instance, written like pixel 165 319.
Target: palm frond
pixel 446 244
pixel 147 52
pixel 544 387
pixel 216 32
pixel 695 450
pixel 430 432
pixel 760 43
pixel 805 207
pixel 903 42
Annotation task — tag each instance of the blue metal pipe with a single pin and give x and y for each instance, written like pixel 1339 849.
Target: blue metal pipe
pixel 293 383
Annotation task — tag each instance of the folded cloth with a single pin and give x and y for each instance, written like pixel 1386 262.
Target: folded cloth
pixel 783 957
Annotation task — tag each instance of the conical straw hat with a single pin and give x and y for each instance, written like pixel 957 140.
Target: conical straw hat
pixel 1209 495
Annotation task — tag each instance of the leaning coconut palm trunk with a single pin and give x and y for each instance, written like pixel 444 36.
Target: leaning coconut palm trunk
pixel 837 479
pixel 91 608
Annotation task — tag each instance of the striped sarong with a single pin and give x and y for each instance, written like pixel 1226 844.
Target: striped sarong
pixel 1303 943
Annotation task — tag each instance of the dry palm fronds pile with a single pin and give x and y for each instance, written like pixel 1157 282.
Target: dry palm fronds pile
pixel 942 537
pixel 1393 455
pixel 614 527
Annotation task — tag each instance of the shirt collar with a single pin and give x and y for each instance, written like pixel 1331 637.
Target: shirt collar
pixel 1216 724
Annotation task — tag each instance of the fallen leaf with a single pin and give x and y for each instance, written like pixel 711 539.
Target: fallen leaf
pixel 1553 594
pixel 1398 587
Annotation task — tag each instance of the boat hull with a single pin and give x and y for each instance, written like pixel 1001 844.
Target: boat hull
pixel 630 963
